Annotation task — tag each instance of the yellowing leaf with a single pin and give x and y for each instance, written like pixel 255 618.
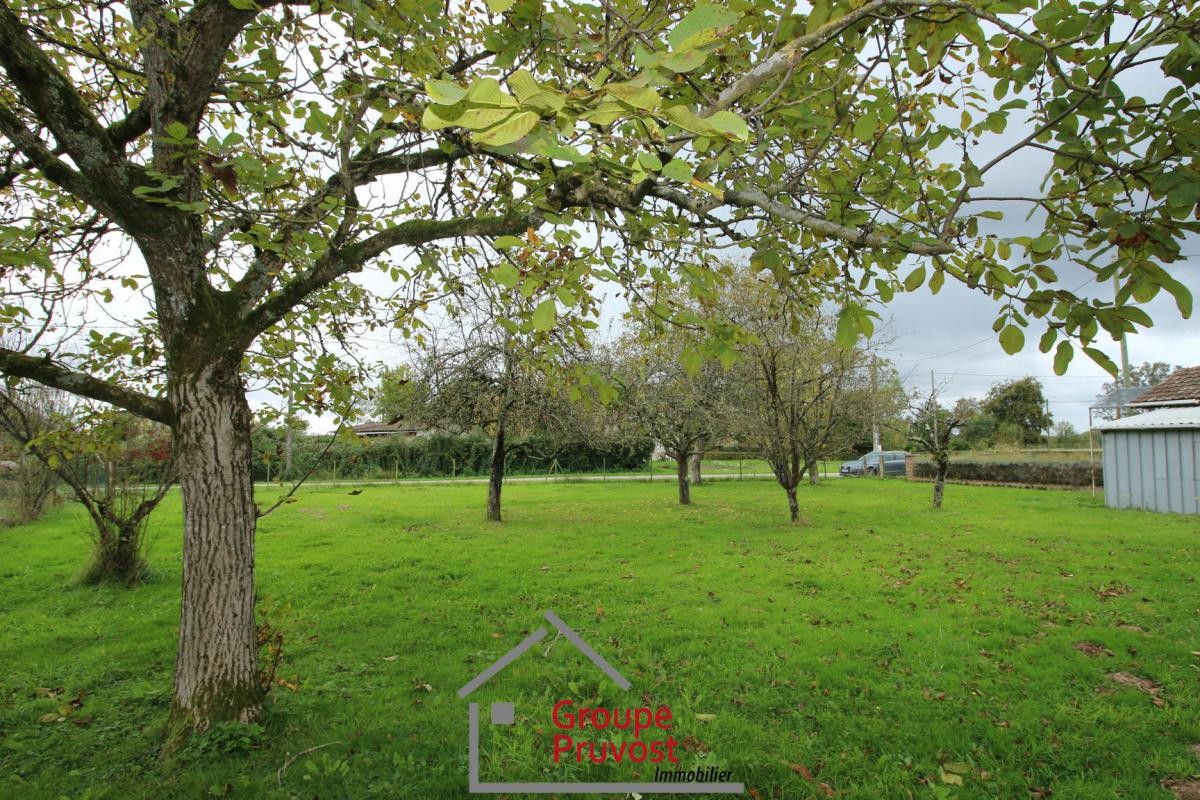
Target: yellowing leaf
pixel 544 315
pixel 604 114
pixel 686 61
pixel 509 131
pixel 444 93
pixel 643 97
pixel 687 119
pixel 730 125
pixel 914 279
pixel 1012 339
pixel 700 26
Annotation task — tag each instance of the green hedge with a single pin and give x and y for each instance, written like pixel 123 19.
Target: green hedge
pixel 1038 473
pixel 441 455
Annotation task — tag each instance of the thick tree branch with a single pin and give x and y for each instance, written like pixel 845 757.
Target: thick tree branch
pixel 337 262
pixel 45 371
pixel 53 99
pixel 256 282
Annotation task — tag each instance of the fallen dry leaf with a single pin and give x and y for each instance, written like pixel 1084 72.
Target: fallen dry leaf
pixel 390 658
pixel 1141 684
pixel 827 789
pixel 1092 650
pixel 802 771
pixel 1183 790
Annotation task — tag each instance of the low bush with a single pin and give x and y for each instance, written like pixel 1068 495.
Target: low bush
pixel 1036 473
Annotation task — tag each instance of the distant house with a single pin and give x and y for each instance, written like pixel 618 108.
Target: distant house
pixel 398 427
pixel 1152 460
pixel 1180 388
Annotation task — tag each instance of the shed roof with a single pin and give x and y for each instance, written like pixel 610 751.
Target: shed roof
pixel 1181 387
pixel 1174 417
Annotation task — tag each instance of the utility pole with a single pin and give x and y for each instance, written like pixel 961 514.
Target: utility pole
pixel 1123 380
pixel 933 408
pixel 876 445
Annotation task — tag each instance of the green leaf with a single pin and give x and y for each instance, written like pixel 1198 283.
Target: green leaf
pixel 1012 339
pixel 643 97
pixel 1062 357
pixel 649 162
pixel 549 146
pixel 847 327
pixel 544 315
pixel 864 128
pixel 487 92
pixel 677 170
pixel 1043 244
pixel 915 279
pixel 444 93
pixel 499 6
pixel 683 62
pixel 1101 359
pixel 1183 297
pixel 687 119
pixel 605 114
pixel 437 117
pixel 508 242
pixel 505 274
pixel 530 93
pixel 691 360
pixel 509 131
pixel 478 119
pixel 177 131
pixel 1048 339
pixel 730 125
pixel 703 24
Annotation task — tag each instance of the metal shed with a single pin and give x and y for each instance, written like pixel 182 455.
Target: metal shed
pixel 1152 461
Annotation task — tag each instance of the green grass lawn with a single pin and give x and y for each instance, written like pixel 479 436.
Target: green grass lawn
pixel 886 650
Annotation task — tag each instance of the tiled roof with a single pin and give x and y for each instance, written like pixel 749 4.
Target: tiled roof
pixel 1181 386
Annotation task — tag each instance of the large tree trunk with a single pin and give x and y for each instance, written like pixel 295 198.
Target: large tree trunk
pixel 216 672
pixel 814 477
pixel 681 472
pixel 694 469
pixel 496 475
pixel 793 504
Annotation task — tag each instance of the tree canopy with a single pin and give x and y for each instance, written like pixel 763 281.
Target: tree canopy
pixel 213 174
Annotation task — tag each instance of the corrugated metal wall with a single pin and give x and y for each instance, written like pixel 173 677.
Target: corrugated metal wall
pixel 1156 470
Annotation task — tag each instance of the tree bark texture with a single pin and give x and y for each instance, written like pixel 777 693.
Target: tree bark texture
pixel 681 472
pixel 694 475
pixel 793 503
pixel 939 485
pixel 496 475
pixel 216 675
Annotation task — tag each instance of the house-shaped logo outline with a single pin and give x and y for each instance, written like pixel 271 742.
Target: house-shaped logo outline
pixel 475 786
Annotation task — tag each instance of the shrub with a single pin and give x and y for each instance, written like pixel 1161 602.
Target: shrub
pixel 1038 473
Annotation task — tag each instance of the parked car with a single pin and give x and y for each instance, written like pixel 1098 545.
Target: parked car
pixel 851 468
pixel 887 462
